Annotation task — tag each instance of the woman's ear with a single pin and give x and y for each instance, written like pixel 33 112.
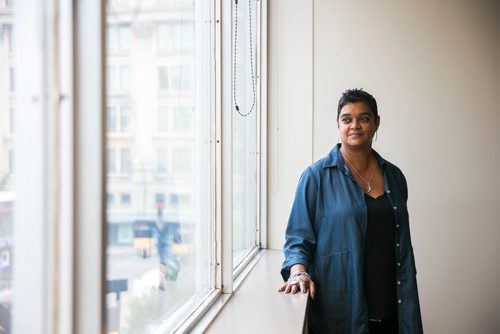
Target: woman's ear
pixel 377 123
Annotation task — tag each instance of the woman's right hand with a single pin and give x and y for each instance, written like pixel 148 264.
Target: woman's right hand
pixel 302 282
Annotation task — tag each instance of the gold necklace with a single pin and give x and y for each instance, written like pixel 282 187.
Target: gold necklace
pixel 369 183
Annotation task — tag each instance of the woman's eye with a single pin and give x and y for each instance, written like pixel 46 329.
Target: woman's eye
pixel 345 120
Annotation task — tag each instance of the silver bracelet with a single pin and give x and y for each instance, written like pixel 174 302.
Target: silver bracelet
pixel 294 277
pixel 299 273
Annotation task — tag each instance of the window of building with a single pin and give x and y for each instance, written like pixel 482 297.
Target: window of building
pixel 126 162
pixel 177 119
pixel 118 38
pixel 181 77
pixel 125 199
pixel 11 162
pixel 9 33
pixel 118 79
pixel 12 79
pixel 110 200
pixel 161 166
pixel 118 118
pixel 176 37
pixel 111 119
pixel 182 161
pixel 111 161
pixel 11 120
pixel 163 82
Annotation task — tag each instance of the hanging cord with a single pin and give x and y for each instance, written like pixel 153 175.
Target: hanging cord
pixel 254 97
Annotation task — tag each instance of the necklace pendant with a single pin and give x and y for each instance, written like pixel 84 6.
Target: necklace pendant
pixel 369 188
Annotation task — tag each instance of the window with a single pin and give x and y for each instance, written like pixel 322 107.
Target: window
pixel 11 162
pixel 111 161
pixel 12 82
pixel 163 78
pixel 9 33
pixel 110 200
pixel 183 118
pixel 162 285
pixel 163 122
pixel 111 119
pixel 245 134
pixel 182 161
pixel 178 119
pixel 181 78
pixel 125 199
pixel 117 38
pixel 161 161
pixel 11 120
pixel 176 37
pixel 118 79
pixel 147 169
pixel 126 167
pixel 8 185
pixel 118 119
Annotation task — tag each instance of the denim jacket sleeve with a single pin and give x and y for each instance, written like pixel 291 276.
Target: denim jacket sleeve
pixel 300 243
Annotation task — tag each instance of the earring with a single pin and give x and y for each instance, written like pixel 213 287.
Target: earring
pixel 376 132
pixel 338 138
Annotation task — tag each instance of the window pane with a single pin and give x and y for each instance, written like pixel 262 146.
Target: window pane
pixel 12 82
pixel 181 158
pixel 126 163
pixel 163 119
pixel 111 79
pixel 245 182
pixel 125 78
pixel 182 118
pixel 163 77
pixel 7 168
pixel 111 161
pixel 181 77
pixel 125 120
pixel 124 38
pixel 111 119
pixel 159 251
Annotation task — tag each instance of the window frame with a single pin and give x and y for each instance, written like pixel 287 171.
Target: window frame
pixel 70 241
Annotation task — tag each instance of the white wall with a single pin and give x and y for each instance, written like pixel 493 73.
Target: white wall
pixel 434 68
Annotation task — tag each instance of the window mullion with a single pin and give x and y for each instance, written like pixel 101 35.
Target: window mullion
pixel 89 167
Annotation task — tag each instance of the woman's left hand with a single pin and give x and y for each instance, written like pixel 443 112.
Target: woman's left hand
pixel 301 283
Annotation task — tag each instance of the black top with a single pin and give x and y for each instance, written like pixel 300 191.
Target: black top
pixel 380 259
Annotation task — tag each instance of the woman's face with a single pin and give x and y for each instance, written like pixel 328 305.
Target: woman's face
pixel 357 125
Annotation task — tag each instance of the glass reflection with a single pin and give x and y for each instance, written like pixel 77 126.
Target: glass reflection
pixel 7 163
pixel 158 162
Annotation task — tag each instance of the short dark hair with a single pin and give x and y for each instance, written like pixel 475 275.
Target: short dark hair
pixel 357 95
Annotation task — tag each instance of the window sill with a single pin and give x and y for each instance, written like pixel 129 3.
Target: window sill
pixel 256 306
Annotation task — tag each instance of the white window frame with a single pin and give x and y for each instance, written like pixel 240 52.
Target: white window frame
pixel 62 179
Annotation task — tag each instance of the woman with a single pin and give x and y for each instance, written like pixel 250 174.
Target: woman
pixel 348 239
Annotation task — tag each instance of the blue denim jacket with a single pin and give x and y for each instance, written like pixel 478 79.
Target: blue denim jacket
pixel 326 233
